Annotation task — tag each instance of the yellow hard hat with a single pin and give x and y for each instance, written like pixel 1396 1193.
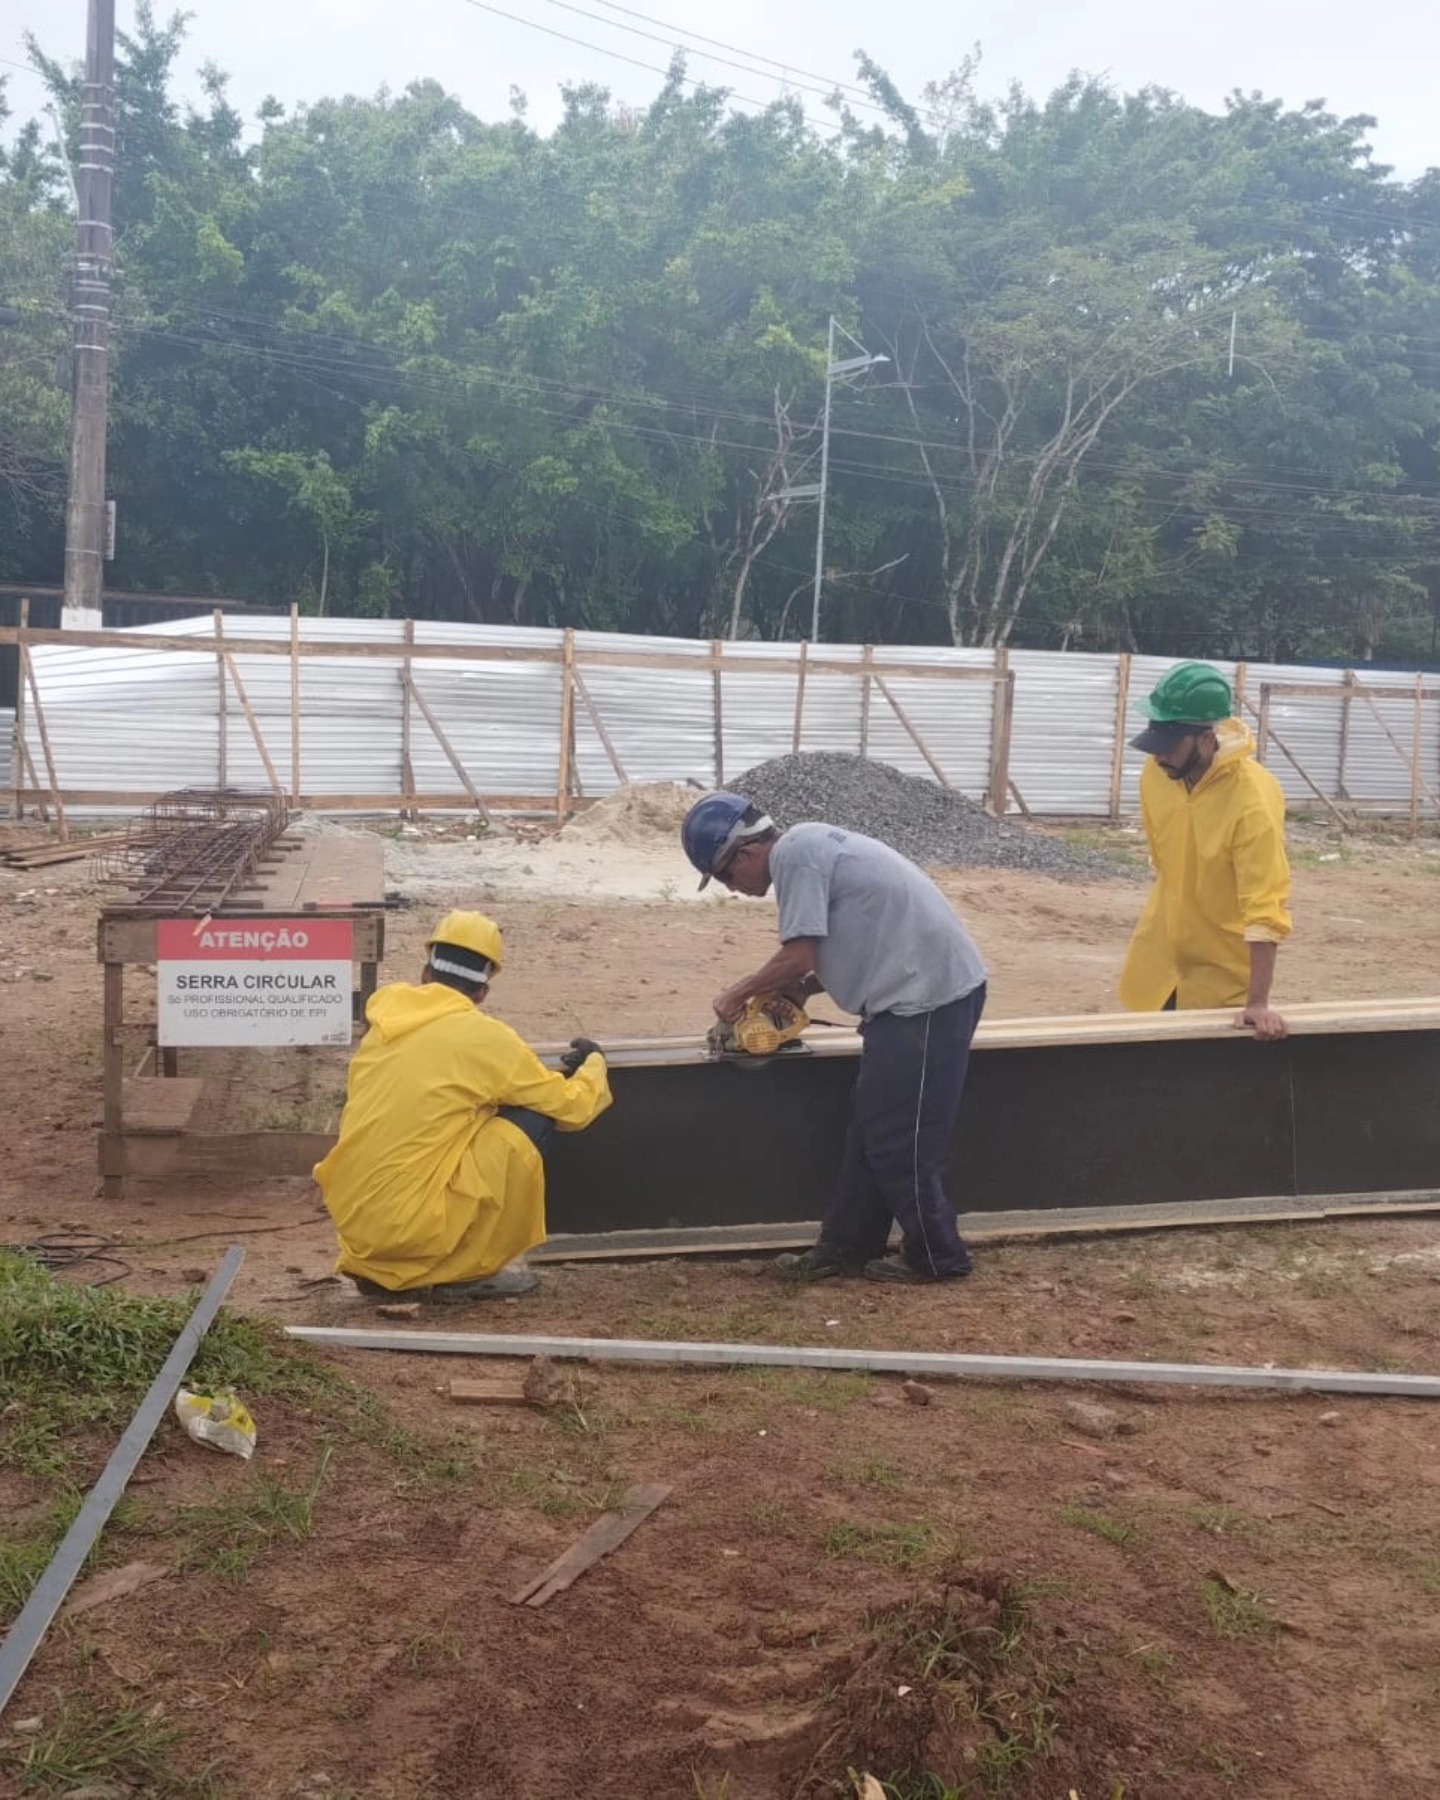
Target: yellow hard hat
pixel 470 931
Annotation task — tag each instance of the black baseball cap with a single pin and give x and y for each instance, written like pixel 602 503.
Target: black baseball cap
pixel 1158 736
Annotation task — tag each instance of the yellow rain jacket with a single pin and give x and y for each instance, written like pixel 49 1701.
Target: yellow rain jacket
pixel 425 1184
pixel 1222 881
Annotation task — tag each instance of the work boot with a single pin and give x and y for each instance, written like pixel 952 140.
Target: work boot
pixel 899 1273
pixel 506 1284
pixel 819 1263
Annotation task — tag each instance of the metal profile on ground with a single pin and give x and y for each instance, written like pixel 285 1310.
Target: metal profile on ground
pixel 46 1597
pixel 933 1363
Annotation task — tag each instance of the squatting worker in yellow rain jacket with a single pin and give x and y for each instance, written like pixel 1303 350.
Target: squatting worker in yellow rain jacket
pixel 437 1181
pixel 1215 820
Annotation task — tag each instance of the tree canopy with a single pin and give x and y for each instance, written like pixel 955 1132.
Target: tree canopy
pixel 1156 378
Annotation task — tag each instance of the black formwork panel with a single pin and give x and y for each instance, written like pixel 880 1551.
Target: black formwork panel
pixel 1081 1125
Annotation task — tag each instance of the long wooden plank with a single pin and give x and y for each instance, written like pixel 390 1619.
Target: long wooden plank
pixel 1269 734
pixel 606 1534
pixel 500 653
pixel 446 746
pixel 252 722
pixel 1418 1012
pixel 604 736
pixel 915 736
pixel 454 801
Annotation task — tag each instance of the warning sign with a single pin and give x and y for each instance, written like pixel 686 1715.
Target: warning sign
pixel 254 981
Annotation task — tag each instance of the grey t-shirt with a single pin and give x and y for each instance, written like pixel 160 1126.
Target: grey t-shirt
pixel 889 940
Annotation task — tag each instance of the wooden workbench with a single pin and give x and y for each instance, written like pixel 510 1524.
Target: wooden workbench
pixel 147 1119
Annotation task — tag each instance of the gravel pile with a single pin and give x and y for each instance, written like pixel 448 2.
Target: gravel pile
pixel 933 826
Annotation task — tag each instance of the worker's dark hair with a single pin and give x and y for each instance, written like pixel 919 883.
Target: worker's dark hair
pixel 464 970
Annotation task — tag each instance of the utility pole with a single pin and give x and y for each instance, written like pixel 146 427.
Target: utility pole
pixel 85 509
pixel 851 365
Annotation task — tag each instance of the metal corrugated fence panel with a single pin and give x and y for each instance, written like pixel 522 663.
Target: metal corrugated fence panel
pixel 139 720
pixel 1062 738
pixel 7 745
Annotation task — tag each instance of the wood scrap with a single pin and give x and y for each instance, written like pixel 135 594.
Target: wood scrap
pixel 113 1584
pixel 605 1535
pixel 491 1390
pixel 409 1309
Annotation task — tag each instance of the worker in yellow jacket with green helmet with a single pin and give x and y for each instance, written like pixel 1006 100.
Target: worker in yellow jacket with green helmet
pixel 436 1183
pixel 1215 820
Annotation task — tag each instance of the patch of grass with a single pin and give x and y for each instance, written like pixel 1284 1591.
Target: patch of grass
pixel 1218 1758
pixel 773 1518
pixel 1154 1661
pixel 75 1358
pixel 710 1787
pixel 681 1418
pixel 1236 1612
pixel 229 1534
pixel 824 1390
pixel 662 1326
pixel 1222 1521
pixel 1101 1525
pixel 871 1471
pixel 899 1545
pixel 133 1749
pixel 429 1651
pixel 1429 1573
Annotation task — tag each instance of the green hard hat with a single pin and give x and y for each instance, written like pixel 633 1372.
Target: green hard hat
pixel 1193 693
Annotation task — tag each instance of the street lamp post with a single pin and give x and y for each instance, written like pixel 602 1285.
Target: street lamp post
pixel 850 365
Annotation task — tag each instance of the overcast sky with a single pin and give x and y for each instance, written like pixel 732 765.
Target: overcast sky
pixel 1380 58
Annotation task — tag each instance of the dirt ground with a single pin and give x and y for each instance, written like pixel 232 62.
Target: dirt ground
pixel 1217 1595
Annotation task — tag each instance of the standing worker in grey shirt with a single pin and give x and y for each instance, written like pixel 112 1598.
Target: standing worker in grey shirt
pixel 860 922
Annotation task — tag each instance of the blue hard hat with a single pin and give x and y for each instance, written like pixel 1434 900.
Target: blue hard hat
pixel 715 825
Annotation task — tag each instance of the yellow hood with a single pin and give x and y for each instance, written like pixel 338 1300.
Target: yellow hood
pixel 400 1007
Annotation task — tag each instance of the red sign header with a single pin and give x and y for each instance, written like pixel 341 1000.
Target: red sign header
pixel 303 939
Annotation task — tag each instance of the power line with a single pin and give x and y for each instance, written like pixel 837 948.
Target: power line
pixel 1236 510
pixel 634 61
pixel 523 381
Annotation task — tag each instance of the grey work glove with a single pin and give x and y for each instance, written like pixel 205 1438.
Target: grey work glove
pixel 580 1048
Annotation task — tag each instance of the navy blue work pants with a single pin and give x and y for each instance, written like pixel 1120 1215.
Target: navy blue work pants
pixel 536 1126
pixel 912 1075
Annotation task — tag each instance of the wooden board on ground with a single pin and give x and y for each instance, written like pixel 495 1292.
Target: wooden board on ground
pixel 605 1535
pixel 157 1107
pixel 341 870
pixel 494 1390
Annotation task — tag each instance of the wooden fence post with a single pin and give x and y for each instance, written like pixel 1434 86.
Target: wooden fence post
pixel 1263 733
pixel 223 711
pixel 567 727
pixel 867 657
pixel 249 711
pixel 1002 713
pixel 409 811
pixel 800 695
pixel 1122 710
pixel 717 655
pixel 294 705
pixel 1415 756
pixel 27 673
pixel 18 752
pixel 1345 705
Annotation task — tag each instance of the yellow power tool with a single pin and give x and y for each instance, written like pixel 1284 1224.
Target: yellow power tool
pixel 769 1026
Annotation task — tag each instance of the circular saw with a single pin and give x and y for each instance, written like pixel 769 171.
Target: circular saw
pixel 770 1025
